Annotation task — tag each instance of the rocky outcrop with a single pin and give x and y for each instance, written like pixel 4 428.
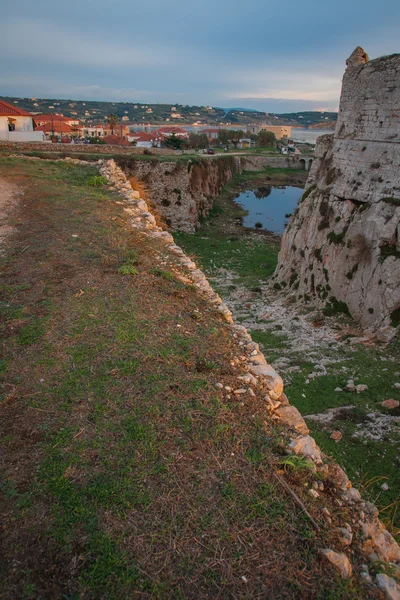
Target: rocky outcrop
pixel 342 245
pixel 182 191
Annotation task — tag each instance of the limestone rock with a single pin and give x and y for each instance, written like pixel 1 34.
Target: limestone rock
pixel 339 561
pixel 291 417
pixel 306 446
pixel 390 403
pixel 345 536
pixel 357 57
pixel 351 496
pixel 388 585
pixel 386 334
pixel 337 476
pixel 361 387
pixel 380 542
pixel 273 380
pixel 347 223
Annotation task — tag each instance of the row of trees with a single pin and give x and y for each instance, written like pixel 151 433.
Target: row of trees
pixel 226 138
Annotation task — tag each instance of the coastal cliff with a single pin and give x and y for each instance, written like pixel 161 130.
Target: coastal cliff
pixel 342 245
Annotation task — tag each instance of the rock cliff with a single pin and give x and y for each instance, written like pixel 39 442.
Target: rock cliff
pixel 342 245
pixel 181 191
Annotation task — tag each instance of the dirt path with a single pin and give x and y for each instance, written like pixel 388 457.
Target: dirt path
pixel 9 199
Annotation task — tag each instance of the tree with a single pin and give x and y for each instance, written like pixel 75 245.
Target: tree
pixel 223 137
pixel 175 142
pixel 235 135
pixel 266 139
pixel 198 140
pixel 112 120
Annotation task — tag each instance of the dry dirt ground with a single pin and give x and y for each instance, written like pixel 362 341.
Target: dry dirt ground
pixel 125 472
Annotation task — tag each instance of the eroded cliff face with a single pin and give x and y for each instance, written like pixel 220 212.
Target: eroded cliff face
pixel 343 241
pixel 182 191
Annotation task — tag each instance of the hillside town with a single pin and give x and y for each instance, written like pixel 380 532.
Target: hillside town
pixel 19 125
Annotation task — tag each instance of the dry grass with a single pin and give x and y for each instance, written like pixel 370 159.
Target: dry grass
pixel 127 474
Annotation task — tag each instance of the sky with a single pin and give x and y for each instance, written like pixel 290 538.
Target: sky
pixel 269 55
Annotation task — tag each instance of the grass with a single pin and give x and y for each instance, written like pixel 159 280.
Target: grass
pixel 126 473
pixel 364 459
pixel 220 243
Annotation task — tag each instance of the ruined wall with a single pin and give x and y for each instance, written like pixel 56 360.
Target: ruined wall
pixel 72 149
pixel 343 241
pixel 182 191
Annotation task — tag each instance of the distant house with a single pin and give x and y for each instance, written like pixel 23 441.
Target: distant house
pixel 116 140
pixel 246 143
pixel 280 131
pixel 142 139
pixel 211 132
pixel 17 125
pixel 168 131
pixel 44 119
pixel 121 130
pixel 93 131
pixel 57 129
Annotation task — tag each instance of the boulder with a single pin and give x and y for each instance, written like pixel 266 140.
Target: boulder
pixel 290 416
pixel 306 446
pixel 389 587
pixel 339 560
pixel 380 542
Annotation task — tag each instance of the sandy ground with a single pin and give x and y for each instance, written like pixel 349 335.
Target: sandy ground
pixel 9 198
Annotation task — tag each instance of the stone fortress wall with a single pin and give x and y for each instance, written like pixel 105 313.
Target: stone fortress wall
pixel 343 241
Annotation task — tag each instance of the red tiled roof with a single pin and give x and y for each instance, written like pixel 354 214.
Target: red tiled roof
pixel 115 140
pixel 10 110
pixel 53 117
pixel 141 136
pixel 56 126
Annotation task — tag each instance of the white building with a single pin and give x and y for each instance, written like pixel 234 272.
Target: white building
pixel 16 125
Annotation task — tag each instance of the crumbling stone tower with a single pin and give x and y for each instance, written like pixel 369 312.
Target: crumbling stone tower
pixel 342 245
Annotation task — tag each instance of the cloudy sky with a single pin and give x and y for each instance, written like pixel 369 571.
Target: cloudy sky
pixel 271 55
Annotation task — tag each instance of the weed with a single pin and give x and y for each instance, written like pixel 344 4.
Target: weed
pixel 296 463
pixel 97 181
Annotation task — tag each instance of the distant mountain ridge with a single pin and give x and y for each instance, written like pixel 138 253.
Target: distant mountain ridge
pixel 92 111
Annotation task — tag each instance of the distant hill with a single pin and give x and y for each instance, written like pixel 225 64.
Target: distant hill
pixel 90 111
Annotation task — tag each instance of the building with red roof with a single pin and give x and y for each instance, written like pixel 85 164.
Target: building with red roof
pixel 211 132
pixel 167 131
pixel 142 139
pixel 16 124
pixel 116 140
pixel 44 119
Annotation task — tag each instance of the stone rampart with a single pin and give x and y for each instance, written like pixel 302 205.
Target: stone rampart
pixel 182 191
pixel 343 241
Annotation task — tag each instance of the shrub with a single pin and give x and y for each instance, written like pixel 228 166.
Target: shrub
pixel 97 181
pixel 336 307
pixel 318 254
pixel 128 269
pixel 308 192
pixel 337 238
pixel 351 273
pixel 395 317
pixel 395 201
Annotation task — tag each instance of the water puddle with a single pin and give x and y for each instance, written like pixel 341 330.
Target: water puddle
pixel 269 207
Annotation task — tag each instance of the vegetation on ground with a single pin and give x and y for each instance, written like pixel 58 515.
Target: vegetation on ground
pixel 125 472
pixel 250 257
